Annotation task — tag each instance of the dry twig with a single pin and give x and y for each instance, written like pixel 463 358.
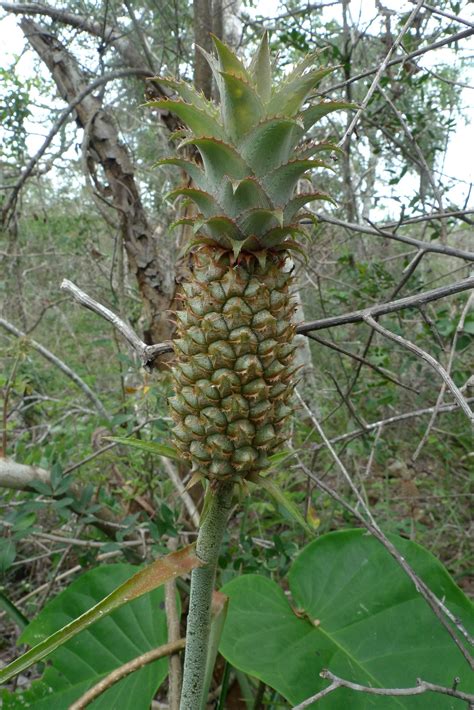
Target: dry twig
pixel 427 358
pixel 125 670
pixel 422 686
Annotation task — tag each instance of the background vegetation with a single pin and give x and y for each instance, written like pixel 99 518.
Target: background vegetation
pixel 93 209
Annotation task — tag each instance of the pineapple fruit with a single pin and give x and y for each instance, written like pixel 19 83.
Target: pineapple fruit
pixel 234 370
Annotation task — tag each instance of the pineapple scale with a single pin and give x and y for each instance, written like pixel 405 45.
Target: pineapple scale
pixel 235 364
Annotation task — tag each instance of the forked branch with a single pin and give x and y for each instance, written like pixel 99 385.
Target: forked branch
pixel 422 686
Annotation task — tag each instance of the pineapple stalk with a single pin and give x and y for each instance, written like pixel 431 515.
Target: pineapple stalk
pixel 202 585
pixel 234 370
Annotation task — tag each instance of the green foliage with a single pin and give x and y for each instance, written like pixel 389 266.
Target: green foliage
pixel 354 611
pixel 85 660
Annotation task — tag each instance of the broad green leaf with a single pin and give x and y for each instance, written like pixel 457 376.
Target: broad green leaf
pixel 270 144
pixel 280 183
pixel 153 447
pixel 312 114
pixel 149 578
pixel 241 107
pixel 199 121
pixel 352 610
pixel 260 69
pixel 85 660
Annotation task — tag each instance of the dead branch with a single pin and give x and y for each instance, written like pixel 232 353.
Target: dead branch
pixel 444 409
pixel 422 686
pixel 64 115
pixel 146 353
pixel 125 670
pixel 383 65
pixel 425 246
pixel 21 477
pixel 449 15
pixel 362 360
pixel 457 394
pixel 439 401
pixel 60 365
pixel 405 58
pixel 390 307
pixel 155 282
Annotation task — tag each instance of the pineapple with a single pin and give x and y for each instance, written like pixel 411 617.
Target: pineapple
pixel 234 371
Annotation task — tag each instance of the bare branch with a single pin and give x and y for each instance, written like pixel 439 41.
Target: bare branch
pixel 400 60
pixel 422 686
pixel 20 476
pixel 446 408
pixel 146 353
pixel 439 401
pixel 60 365
pixel 449 15
pixel 390 307
pixel 425 246
pixel 427 358
pixel 100 81
pixel 381 371
pixel 428 217
pixel 125 670
pixel 380 71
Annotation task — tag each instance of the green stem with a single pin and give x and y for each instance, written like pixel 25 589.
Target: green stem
pixel 202 585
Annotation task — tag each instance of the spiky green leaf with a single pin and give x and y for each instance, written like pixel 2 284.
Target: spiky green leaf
pixel 293 207
pixel 200 122
pixel 291 94
pixel 260 69
pixel 240 104
pixel 280 183
pixel 193 170
pixel 188 93
pixel 270 144
pixel 228 60
pixel 315 112
pixel 258 221
pixel 205 202
pixel 219 159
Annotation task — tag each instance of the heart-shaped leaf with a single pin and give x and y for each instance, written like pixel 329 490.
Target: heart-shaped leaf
pixel 84 660
pixel 354 611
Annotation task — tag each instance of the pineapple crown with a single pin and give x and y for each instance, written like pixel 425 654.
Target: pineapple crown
pixel 251 163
